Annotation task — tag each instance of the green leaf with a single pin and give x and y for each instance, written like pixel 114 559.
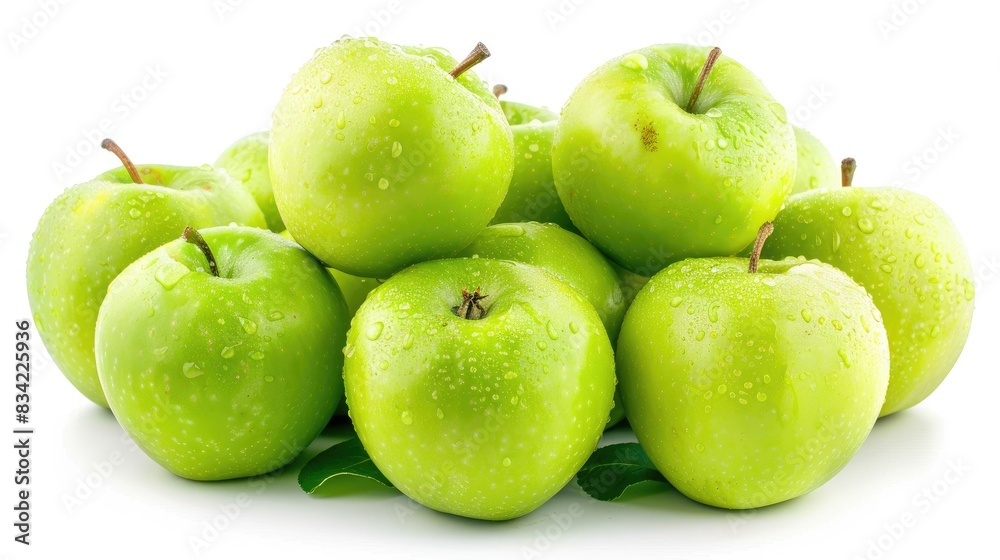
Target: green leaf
pixel 345 458
pixel 613 468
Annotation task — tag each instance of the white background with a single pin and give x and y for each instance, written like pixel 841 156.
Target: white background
pixel 906 87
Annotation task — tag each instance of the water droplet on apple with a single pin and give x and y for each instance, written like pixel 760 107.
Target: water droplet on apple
pixel 317 102
pixel 866 225
pixel 761 397
pixel 550 329
pixel 723 144
pixel 349 350
pixel 439 413
pixel 135 213
pixel 713 312
pixel 408 341
pixel 170 274
pixel 718 219
pixel 506 461
pixel 393 123
pixel 844 357
pixel 191 370
pixel 846 211
pixel 573 328
pixel 397 149
pixel 713 112
pixel 700 447
pixel 228 352
pixel 325 77
pixel 542 345
pixel 249 326
pixel 257 355
pixel 383 183
pixel 374 330
pixel 406 417
pixel 275 316
pixel 160 351
pixel 635 61
pixel 836 241
pixel 383 365
pixel 676 301
pixel 807 315
pixel 341 120
pixel 510 375
pixel 391 80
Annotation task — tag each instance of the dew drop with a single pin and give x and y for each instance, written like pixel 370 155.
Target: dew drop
pixel 406 417
pixel 550 330
pixel 846 211
pixel 676 301
pixel 439 413
pixel 325 77
pixel 807 315
pixel 866 225
pixel 374 330
pixel 408 341
pixel 761 397
pixel 635 61
pixel 228 352
pixel 269 378
pixel 391 80
pixel 170 274
pixel 383 183
pixel 191 370
pixel 249 326
pixel 135 213
pixel 713 113
pixel 573 328
pixel 275 316
pixel 397 149
pixel 844 357
pixel 341 120
pixel 393 123
pixel 700 447
pixel 257 355
pixel 506 461
pixel 542 345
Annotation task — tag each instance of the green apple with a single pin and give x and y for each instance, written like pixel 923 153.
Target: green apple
pixel 669 152
pixel 93 230
pixel 816 167
pixel 481 402
pixel 246 160
pixel 354 288
pixel 221 355
pixel 910 257
pixel 750 383
pixel 380 157
pixel 566 256
pixel 532 195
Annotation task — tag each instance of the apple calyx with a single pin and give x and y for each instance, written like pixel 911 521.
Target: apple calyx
pixel 713 56
pixel 499 90
pixel 471 307
pixel 478 54
pixel 111 146
pixel 194 237
pixel 758 245
pixel 847 168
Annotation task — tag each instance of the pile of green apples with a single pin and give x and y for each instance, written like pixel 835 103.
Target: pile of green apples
pixel 492 284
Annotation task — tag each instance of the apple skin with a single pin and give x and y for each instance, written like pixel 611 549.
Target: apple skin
pixel 483 418
pixel 223 377
pixel 910 257
pixel 568 257
pixel 816 168
pixel 649 183
pixel 631 284
pixel 532 195
pixel 93 230
pixel 750 389
pixel 246 161
pixel 380 159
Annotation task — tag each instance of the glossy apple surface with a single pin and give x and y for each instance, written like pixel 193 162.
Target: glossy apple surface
pixel 748 389
pixel 227 376
pixel 246 161
pixel 816 168
pixel 650 182
pixel 482 417
pixel 380 158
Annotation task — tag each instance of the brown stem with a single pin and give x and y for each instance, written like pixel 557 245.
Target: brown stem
pixel 478 54
pixel 847 168
pixel 499 90
pixel 110 145
pixel 713 56
pixel 758 245
pixel 471 307
pixel 193 237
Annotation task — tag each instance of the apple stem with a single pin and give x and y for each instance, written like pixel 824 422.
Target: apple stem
pixel 499 90
pixel 110 145
pixel 713 56
pixel 193 237
pixel 471 307
pixel 478 54
pixel 758 245
pixel 847 168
